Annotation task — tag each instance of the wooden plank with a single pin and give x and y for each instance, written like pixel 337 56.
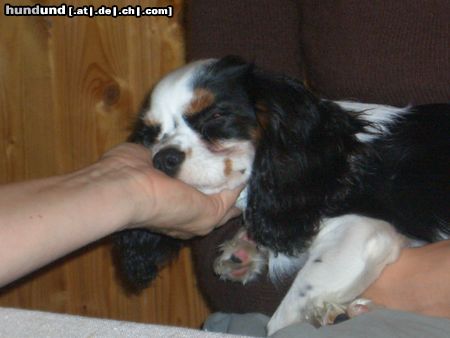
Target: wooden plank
pixel 69 90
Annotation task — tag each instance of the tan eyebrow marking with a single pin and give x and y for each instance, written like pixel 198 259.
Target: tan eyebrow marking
pixel 150 122
pixel 228 167
pixel 202 99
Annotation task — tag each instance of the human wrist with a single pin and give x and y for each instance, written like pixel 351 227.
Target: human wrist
pixel 128 187
pixel 103 196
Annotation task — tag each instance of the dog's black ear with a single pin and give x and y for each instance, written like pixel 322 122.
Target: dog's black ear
pixel 141 253
pixel 229 69
pixel 230 64
pixel 300 164
pixel 144 134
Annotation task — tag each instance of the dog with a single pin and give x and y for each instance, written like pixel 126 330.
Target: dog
pixel 334 189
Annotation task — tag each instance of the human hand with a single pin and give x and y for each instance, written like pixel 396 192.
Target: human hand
pixel 163 204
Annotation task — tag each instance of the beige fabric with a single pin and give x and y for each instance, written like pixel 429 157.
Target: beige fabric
pixel 23 323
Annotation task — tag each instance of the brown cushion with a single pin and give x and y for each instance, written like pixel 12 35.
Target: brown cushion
pixel 263 31
pixel 392 52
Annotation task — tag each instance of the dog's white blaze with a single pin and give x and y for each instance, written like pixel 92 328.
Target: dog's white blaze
pixel 171 96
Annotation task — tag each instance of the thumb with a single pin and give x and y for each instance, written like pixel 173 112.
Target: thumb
pixel 226 200
pixel 229 197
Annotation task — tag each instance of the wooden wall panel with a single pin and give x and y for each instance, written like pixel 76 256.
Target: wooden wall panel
pixel 69 89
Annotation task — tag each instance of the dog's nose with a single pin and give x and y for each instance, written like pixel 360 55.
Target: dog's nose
pixel 168 160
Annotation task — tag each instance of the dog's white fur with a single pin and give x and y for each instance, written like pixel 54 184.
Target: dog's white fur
pixel 353 250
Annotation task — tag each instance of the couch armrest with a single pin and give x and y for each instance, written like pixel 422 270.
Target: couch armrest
pixel 25 323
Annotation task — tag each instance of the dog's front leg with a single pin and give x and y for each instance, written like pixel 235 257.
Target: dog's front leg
pixel 346 256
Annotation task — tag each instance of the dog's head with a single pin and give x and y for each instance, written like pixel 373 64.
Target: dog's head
pixel 216 124
pixel 200 125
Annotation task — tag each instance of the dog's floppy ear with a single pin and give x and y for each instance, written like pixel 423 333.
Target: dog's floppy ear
pixel 229 66
pixel 229 69
pixel 141 253
pixel 300 163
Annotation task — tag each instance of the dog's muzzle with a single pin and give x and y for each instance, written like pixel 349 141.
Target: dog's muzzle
pixel 169 160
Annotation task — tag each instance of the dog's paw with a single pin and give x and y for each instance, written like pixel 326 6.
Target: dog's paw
pixel 331 313
pixel 360 306
pixel 240 260
pixel 328 314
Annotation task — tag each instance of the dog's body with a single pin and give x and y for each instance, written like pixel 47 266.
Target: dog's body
pixel 337 183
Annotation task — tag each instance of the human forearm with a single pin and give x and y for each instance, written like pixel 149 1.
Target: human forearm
pixel 417 282
pixel 45 219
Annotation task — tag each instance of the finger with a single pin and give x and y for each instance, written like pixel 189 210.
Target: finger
pixel 224 205
pixel 229 197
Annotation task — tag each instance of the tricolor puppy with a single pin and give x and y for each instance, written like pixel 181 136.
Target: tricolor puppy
pixel 334 189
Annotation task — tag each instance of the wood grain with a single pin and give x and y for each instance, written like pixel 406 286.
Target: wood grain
pixel 69 89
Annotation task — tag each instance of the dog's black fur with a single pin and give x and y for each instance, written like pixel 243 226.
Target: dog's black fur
pixel 309 164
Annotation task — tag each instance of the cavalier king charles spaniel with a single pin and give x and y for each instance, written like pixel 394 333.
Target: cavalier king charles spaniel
pixel 334 189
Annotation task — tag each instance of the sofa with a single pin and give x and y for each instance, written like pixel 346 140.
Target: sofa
pixel 385 52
